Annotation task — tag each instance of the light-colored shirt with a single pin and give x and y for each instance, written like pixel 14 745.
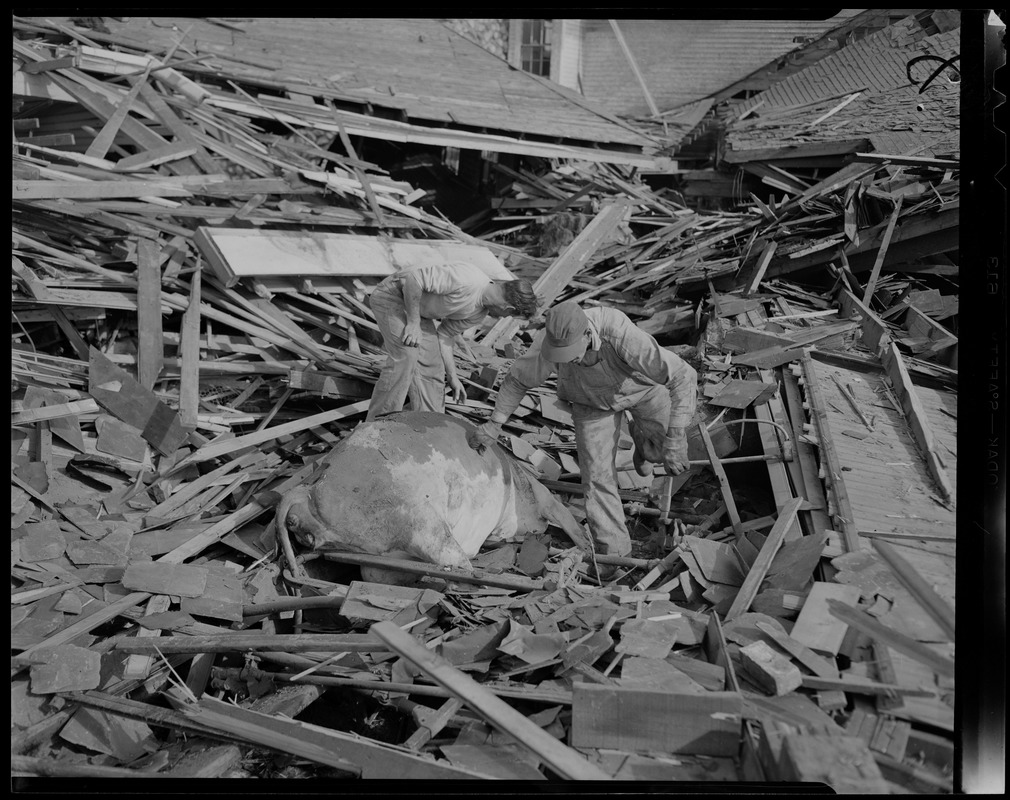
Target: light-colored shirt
pixel 450 292
pixel 631 362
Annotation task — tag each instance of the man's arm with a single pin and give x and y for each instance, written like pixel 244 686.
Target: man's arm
pixel 526 373
pixel 445 347
pixel 645 355
pixel 412 308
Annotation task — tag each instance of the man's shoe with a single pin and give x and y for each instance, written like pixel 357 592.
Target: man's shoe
pixel 604 573
pixel 642 467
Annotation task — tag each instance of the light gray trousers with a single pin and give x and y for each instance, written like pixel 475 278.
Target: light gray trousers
pixel 415 372
pixel 597 432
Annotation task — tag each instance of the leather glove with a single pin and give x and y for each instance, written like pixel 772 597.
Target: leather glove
pixel 484 435
pixel 675 457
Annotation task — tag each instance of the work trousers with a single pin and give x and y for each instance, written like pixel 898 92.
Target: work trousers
pixel 414 372
pixel 597 432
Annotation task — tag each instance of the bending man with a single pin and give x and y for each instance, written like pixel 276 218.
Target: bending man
pixel 419 355
pixel 605 366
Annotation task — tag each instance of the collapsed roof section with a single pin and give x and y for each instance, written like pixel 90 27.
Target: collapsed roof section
pixel 881 89
pixel 394 79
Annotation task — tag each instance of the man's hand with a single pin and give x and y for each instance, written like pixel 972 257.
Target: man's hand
pixel 485 435
pixel 458 392
pixel 412 334
pixel 675 451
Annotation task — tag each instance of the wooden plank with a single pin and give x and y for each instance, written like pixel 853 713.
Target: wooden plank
pixel 182 131
pixel 875 333
pixel 871 284
pixel 894 639
pixel 90 190
pixel 821 667
pixel 560 758
pixel 237 642
pixel 630 58
pixel 558 275
pixel 151 348
pixel 189 345
pixel 918 587
pixel 235 253
pixel 917 418
pixel 218 449
pixel 845 521
pixel 778 474
pixel 103 142
pixel 815 627
pixel 720 473
pixel 123 397
pixel 761 267
pixel 151 158
pixel 363 757
pixel 628 718
pixel 759 568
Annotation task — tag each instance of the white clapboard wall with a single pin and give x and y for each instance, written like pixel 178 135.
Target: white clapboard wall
pixel 237 253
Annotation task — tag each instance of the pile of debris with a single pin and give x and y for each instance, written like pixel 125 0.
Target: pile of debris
pixel 191 335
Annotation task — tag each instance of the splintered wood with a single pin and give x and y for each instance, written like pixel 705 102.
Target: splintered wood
pixel 194 244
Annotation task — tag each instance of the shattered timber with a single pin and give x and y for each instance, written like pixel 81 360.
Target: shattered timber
pixel 197 226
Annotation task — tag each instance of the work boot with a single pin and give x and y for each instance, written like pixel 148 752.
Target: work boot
pixel 642 467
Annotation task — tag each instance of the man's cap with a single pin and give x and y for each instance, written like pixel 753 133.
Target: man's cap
pixel 566 326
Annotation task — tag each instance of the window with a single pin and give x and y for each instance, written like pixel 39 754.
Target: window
pixel 535 46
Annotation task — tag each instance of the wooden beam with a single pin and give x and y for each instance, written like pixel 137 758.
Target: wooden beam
pixel 871 284
pixel 504 581
pixel 634 67
pixel 359 755
pixel 189 343
pixel 762 265
pixel 218 449
pixel 557 276
pixel 875 333
pixel 561 759
pixel 720 474
pixel 151 348
pixel 892 638
pixel 237 642
pixel 90 190
pixel 917 418
pixel 628 718
pixel 103 142
pixel 758 570
pixel 845 521
pixel 918 587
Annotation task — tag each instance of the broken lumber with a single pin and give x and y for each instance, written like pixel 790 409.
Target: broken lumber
pixel 560 758
pixel 758 570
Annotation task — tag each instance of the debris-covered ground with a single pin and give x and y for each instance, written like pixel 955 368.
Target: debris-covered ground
pixel 786 612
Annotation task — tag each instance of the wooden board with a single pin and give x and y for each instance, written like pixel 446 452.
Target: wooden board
pixel 625 718
pixel 815 626
pixel 122 396
pixel 236 253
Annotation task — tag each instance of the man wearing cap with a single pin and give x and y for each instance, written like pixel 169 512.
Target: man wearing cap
pixel 605 366
pixel 419 355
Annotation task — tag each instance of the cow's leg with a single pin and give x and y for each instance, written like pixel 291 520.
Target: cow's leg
pixel 596 436
pixel 397 373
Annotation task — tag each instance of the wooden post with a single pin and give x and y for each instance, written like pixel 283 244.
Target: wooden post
pixel 882 253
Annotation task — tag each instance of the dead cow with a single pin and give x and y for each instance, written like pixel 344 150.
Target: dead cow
pixel 409 485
